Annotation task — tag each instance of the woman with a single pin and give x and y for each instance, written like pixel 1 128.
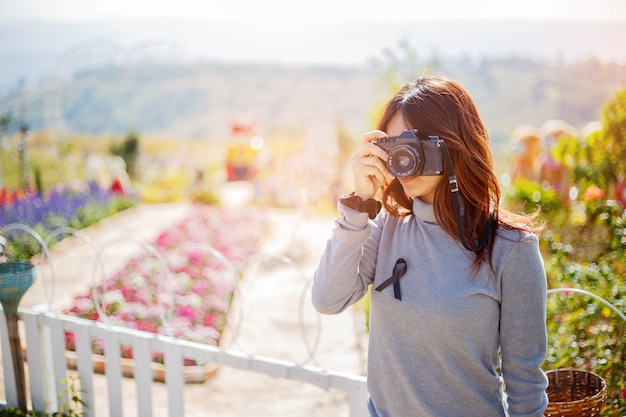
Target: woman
pixel 458 301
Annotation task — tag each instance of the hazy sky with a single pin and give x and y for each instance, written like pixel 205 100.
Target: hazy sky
pixel 334 32
pixel 259 10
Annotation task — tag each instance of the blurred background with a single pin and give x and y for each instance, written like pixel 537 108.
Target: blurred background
pixel 263 94
pixel 107 105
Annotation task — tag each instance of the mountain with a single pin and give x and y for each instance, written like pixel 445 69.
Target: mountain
pixel 31 49
pixel 104 77
pixel 203 100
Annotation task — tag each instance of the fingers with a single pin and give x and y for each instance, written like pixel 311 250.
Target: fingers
pixel 373 135
pixel 369 166
pixel 374 174
pixel 372 155
pixel 370 160
pixel 368 148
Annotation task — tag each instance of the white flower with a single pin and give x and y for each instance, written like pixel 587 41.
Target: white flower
pixel 114 296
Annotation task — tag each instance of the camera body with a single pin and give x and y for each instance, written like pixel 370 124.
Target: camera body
pixel 409 156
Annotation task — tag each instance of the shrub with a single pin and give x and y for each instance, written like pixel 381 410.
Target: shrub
pixel 584 247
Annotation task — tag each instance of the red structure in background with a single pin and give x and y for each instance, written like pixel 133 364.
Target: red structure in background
pixel 241 157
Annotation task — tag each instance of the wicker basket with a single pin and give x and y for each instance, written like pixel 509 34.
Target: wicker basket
pixel 15 279
pixel 575 393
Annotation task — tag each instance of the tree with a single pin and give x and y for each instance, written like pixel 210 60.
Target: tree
pixel 128 150
pixel 5 121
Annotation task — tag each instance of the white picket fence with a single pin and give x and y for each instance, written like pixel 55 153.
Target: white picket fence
pixel 49 383
pixel 47 365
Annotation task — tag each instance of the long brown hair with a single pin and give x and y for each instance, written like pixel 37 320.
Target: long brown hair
pixel 438 106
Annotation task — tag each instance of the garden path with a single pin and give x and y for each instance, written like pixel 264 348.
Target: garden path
pixel 270 312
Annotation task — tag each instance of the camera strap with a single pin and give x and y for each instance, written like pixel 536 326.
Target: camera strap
pixel 454 188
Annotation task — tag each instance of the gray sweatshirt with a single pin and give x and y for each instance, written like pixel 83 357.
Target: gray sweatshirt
pixel 436 351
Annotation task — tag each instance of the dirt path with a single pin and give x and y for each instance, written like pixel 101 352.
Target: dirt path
pixel 277 319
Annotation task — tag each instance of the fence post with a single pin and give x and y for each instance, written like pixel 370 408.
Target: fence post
pixel 357 398
pixel 7 366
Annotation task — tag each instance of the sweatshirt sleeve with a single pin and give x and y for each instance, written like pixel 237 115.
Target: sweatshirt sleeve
pixel 523 337
pixel 348 263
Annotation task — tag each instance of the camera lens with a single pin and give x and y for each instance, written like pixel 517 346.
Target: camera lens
pixel 402 161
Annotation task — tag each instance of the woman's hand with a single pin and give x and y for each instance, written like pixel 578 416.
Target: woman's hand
pixel 368 166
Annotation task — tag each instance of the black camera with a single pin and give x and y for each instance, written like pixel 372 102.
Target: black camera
pixel 409 156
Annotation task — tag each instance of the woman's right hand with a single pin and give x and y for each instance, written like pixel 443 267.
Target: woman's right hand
pixel 368 166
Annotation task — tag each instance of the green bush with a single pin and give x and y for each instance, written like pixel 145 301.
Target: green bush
pixel 584 247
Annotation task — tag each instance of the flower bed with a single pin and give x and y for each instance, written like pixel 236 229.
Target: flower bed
pixel 200 284
pixel 61 207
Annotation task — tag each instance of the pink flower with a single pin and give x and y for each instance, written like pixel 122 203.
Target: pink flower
pixel 201 285
pixel 146 326
pixel 187 312
pixel 127 352
pixel 566 293
pixel 196 258
pixel 210 319
pixel 70 341
pixel 166 239
pixel 98 346
pixel 157 357
pixel 593 193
